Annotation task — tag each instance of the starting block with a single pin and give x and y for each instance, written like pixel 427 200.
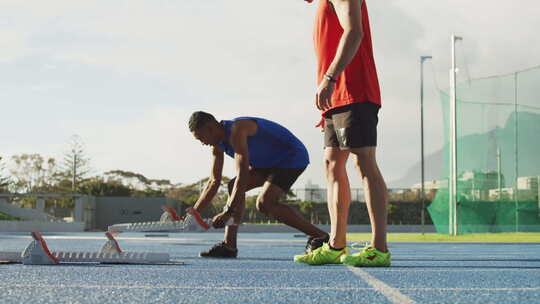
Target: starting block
pixel 169 222
pixel 37 253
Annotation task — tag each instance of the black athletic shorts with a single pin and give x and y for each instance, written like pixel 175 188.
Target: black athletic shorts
pixel 352 126
pixel 284 178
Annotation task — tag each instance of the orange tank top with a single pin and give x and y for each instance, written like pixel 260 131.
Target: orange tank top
pixel 358 82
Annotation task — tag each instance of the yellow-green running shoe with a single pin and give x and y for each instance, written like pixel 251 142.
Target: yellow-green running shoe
pixel 321 256
pixel 368 257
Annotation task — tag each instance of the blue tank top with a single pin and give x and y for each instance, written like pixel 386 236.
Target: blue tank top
pixel 273 146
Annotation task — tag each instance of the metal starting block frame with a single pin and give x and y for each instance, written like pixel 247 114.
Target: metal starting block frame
pixel 169 222
pixel 37 253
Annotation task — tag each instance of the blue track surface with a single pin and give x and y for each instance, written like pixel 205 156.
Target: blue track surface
pixel 265 273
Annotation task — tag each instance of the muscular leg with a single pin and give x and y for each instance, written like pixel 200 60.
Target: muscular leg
pixel 268 203
pixel 376 194
pixel 231 232
pixel 338 194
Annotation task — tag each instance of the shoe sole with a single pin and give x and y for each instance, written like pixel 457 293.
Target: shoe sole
pixel 355 265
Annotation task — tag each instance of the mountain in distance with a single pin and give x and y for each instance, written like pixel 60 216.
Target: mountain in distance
pixel 478 152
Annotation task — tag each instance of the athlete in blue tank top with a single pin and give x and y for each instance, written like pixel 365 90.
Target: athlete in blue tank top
pixel 266 155
pixel 272 146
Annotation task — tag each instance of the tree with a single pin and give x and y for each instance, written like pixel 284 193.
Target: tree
pixel 33 173
pixel 98 186
pixel 141 185
pixel 4 180
pixel 125 183
pixel 76 165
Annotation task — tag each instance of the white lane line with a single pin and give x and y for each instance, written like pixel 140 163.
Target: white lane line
pixel 267 288
pixel 458 270
pixel 182 287
pixel 474 289
pixel 393 294
pixel 329 269
pixel 462 257
pixel 334 269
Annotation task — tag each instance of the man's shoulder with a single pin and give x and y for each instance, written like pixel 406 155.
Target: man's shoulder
pixel 241 118
pixel 246 126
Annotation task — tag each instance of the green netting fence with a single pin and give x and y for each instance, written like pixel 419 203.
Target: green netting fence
pixel 498 155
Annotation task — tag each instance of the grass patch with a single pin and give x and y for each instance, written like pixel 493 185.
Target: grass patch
pixel 520 237
pixel 7 217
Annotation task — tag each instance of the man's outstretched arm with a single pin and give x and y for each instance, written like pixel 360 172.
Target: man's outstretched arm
pixel 240 132
pixel 214 181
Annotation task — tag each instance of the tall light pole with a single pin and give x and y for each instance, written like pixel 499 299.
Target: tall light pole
pixel 452 183
pixel 422 193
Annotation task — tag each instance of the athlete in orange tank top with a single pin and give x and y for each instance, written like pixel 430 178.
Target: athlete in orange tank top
pixel 349 99
pixel 358 82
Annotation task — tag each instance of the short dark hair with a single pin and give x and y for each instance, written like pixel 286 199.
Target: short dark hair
pixel 199 119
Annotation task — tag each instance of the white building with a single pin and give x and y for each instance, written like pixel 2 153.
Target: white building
pixel 430 185
pixel 481 194
pixel 509 193
pixel 480 180
pixel 494 194
pixel 481 186
pixel 311 193
pixel 314 193
pixel 527 183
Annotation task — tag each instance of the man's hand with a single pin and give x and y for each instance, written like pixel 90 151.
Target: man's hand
pixel 323 98
pixel 220 220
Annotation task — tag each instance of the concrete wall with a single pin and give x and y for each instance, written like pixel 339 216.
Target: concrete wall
pixel 24 226
pixel 26 213
pixel 116 210
pixel 85 211
pixel 94 213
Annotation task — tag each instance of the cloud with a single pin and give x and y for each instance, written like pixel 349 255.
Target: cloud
pixel 125 75
pixel 157 144
pixel 11 44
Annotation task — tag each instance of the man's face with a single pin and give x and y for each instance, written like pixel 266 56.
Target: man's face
pixel 204 135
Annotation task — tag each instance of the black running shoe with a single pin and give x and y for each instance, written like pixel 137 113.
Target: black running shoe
pixel 219 250
pixel 314 243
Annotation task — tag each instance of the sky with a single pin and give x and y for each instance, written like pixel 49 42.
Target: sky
pixel 126 75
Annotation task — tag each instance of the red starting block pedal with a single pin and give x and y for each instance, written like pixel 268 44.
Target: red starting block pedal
pixel 38 253
pixel 171 222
